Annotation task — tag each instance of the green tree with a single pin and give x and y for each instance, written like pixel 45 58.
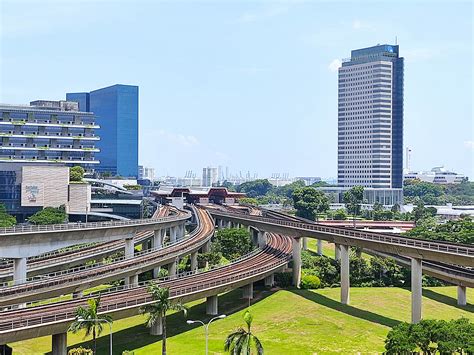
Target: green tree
pixel 241 341
pixel 309 202
pixel 432 337
pixel 49 215
pixel 255 188
pixel 159 308
pixel 248 201
pixel 353 199
pixel 89 319
pixel 232 243
pixel 6 220
pixel 76 173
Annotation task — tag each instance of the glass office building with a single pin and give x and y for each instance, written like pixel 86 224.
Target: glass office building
pixel 116 109
pixel 370 119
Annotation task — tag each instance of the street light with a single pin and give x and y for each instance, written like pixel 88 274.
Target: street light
pixel 80 319
pixel 206 327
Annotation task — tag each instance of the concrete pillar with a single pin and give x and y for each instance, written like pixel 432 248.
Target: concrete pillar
pixel 157 328
pixel 129 248
pixel 206 247
pixel 229 224
pixel 248 291
pixel 131 280
pixel 212 305
pixel 305 243
pixel 320 247
pixel 462 299
pixel 172 269
pixel 194 261
pixel 337 252
pixel 59 344
pixel 262 240
pixel 156 272
pixel 270 280
pixel 344 274
pixel 157 241
pixel 296 262
pixel 19 271
pixel 416 290
pixel 77 294
pixel 173 234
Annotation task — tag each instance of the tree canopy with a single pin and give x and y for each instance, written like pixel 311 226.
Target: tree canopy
pixel 232 243
pixel 255 188
pixel 432 336
pixel 49 215
pixel 76 173
pixel 353 199
pixel 6 220
pixel 309 202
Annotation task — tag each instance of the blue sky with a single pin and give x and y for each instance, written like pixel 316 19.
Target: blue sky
pixel 250 85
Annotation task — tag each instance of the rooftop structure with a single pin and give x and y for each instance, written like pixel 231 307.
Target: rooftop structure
pixel 437 175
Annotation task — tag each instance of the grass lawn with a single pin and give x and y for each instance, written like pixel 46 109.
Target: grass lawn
pixel 286 321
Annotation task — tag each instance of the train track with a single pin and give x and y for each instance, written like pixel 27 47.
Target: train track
pixel 124 301
pixel 48 262
pixel 86 277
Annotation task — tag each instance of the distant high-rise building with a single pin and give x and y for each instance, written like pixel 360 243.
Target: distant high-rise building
pixel 370 124
pixel 116 108
pixel 209 176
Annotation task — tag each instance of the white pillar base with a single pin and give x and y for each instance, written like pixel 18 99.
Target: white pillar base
pixel 212 305
pixel 194 261
pixel 59 344
pixel 129 248
pixel 345 284
pixel 296 262
pixel 248 291
pixel 337 252
pixel 320 247
pixel 19 271
pixel 172 269
pixel 462 296
pixel 262 239
pixel 416 290
pixel 270 280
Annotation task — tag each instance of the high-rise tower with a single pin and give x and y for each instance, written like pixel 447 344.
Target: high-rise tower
pixel 370 120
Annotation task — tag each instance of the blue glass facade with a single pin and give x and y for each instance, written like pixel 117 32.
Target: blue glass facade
pixel 82 98
pixel 116 109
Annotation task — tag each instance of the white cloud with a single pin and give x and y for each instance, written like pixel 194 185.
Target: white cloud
pixel 469 144
pixel 334 65
pixel 178 139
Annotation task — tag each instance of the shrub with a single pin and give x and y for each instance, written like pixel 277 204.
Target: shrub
pixel 283 279
pixel 49 215
pixel 76 173
pixel 429 336
pixel 310 281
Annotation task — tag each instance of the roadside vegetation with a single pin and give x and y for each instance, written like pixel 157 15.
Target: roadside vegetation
pixel 6 220
pixel 49 215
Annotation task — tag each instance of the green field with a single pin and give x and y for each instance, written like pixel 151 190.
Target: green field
pixel 287 322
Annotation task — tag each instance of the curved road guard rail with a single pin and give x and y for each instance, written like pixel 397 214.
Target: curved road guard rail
pixel 58 259
pixel 28 323
pixel 459 254
pixel 81 278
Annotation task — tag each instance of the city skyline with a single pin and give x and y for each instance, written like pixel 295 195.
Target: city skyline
pixel 194 80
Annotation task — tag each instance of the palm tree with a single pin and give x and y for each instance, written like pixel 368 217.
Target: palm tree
pixel 158 309
pixel 240 341
pixel 89 319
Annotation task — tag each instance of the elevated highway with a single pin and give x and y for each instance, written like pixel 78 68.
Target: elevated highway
pixel 122 302
pixel 78 279
pixel 417 250
pixel 78 255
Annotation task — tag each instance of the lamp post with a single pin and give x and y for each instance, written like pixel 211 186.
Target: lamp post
pixel 100 320
pixel 206 327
